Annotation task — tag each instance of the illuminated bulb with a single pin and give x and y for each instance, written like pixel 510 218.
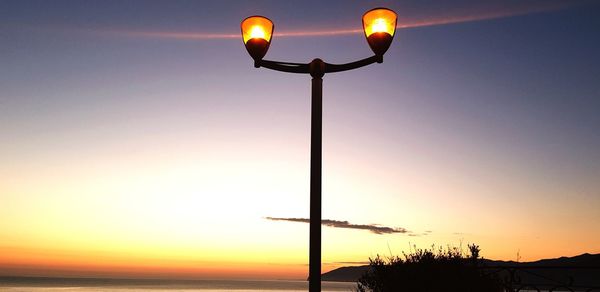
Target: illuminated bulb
pixel 257 32
pixel 380 25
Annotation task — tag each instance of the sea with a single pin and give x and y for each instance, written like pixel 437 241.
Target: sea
pixel 27 284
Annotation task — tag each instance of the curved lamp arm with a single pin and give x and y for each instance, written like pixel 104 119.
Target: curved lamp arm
pixel 331 68
pixel 283 66
pixel 306 68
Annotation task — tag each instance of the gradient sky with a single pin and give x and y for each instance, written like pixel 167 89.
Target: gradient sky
pixel 137 139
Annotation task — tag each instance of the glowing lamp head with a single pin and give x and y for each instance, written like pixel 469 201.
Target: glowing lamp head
pixel 379 25
pixel 256 34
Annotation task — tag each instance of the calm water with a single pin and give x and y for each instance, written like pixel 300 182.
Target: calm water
pixel 126 285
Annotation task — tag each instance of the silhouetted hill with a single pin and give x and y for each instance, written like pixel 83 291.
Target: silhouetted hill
pixel 559 269
pixel 583 260
pixel 345 274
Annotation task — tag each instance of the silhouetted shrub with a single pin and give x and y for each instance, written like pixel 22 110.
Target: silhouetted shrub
pixel 429 270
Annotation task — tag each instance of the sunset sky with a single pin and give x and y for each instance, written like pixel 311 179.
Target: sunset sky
pixel 138 140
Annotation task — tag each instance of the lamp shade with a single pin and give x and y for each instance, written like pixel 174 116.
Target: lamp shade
pixel 256 34
pixel 379 25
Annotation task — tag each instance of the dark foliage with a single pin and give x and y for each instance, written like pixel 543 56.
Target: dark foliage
pixel 429 270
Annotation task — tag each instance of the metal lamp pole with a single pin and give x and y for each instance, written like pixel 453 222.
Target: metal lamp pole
pixel 379 25
pixel 316 135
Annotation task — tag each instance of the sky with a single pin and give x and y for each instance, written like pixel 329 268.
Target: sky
pixel 138 140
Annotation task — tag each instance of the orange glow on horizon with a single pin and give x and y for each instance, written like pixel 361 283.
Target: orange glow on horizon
pixel 40 262
pixel 56 263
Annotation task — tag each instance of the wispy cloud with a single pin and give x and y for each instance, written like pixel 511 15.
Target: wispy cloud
pixel 374 228
pixel 424 233
pixel 479 12
pixel 482 12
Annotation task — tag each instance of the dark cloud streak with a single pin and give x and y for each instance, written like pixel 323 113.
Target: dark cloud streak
pixel 374 228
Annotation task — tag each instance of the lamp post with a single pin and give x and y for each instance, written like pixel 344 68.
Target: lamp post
pixel 379 25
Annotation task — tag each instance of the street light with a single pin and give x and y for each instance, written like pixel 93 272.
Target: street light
pixel 256 33
pixel 379 25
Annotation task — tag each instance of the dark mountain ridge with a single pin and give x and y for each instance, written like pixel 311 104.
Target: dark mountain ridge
pixel 584 269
